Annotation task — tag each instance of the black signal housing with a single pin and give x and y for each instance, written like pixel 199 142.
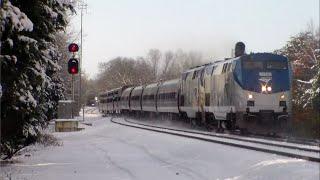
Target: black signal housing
pixel 73 66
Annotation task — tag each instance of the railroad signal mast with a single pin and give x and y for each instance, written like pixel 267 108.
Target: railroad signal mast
pixel 73 67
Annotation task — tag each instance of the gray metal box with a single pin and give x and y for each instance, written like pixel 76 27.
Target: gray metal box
pixel 66 109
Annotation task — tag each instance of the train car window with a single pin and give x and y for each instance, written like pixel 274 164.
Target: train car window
pixel 199 73
pixel 213 68
pixel 209 70
pixel 194 74
pixel 229 67
pixel 276 65
pixel 253 65
pixel 224 67
pixel 184 76
pixel 202 77
pixel 181 100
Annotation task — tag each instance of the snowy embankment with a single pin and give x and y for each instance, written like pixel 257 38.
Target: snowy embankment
pixel 110 151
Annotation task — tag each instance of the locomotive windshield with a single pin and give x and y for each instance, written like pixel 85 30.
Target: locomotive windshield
pixel 253 65
pixel 267 65
pixel 276 65
pixel 250 71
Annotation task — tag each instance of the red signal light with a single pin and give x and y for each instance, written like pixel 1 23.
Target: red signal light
pixel 73 66
pixel 73 70
pixel 73 47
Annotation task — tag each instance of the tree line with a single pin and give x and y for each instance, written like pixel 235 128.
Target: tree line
pixel 153 67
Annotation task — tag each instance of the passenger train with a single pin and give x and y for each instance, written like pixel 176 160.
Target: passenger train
pixel 250 92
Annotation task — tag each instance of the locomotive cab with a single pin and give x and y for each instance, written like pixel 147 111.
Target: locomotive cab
pixel 263 88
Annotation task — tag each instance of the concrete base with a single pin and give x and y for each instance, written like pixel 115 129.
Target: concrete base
pixel 66 125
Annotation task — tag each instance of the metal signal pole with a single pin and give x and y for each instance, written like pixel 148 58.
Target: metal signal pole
pixel 72 84
pixel 82 6
pixel 1 30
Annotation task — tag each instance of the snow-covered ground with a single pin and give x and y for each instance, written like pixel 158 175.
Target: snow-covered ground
pixel 110 151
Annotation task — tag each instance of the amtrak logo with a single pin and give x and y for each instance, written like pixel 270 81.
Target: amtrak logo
pixel 265 77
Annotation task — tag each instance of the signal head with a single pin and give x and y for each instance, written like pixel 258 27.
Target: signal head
pixel 73 47
pixel 73 66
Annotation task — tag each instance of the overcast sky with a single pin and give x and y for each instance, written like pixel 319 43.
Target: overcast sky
pixel 131 27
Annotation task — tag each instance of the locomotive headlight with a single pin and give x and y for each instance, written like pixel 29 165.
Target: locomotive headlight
pixel 250 96
pixel 263 88
pixel 269 88
pixel 282 96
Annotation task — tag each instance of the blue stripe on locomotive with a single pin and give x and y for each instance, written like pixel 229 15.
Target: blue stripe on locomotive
pixel 249 79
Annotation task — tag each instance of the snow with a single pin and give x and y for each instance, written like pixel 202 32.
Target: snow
pixel 306 82
pixel 110 151
pixel 62 120
pixel 14 59
pixel 66 2
pixel 185 126
pixel 66 101
pixel 26 39
pixel 10 42
pixel 277 161
pixel 53 14
pixel 218 139
pixel 19 19
pixel 28 98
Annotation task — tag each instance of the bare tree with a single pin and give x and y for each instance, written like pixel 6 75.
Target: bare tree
pixel 167 63
pixel 154 56
pixel 122 71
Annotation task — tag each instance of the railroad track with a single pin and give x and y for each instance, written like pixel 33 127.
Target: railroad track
pixel 90 110
pixel 304 146
pixel 300 151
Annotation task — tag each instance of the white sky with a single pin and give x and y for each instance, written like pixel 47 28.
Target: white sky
pixel 130 28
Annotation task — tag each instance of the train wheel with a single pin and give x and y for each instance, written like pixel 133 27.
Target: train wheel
pixel 244 131
pixel 219 127
pixel 231 121
pixel 193 122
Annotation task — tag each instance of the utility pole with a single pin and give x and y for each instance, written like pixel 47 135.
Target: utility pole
pixel 82 6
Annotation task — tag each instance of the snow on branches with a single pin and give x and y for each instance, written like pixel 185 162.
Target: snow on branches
pixel 29 57
pixel 12 15
pixel 303 52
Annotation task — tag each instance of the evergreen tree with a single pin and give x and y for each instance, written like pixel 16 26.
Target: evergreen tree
pixel 29 65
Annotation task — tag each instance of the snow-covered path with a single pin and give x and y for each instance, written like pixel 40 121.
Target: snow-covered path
pixel 111 151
